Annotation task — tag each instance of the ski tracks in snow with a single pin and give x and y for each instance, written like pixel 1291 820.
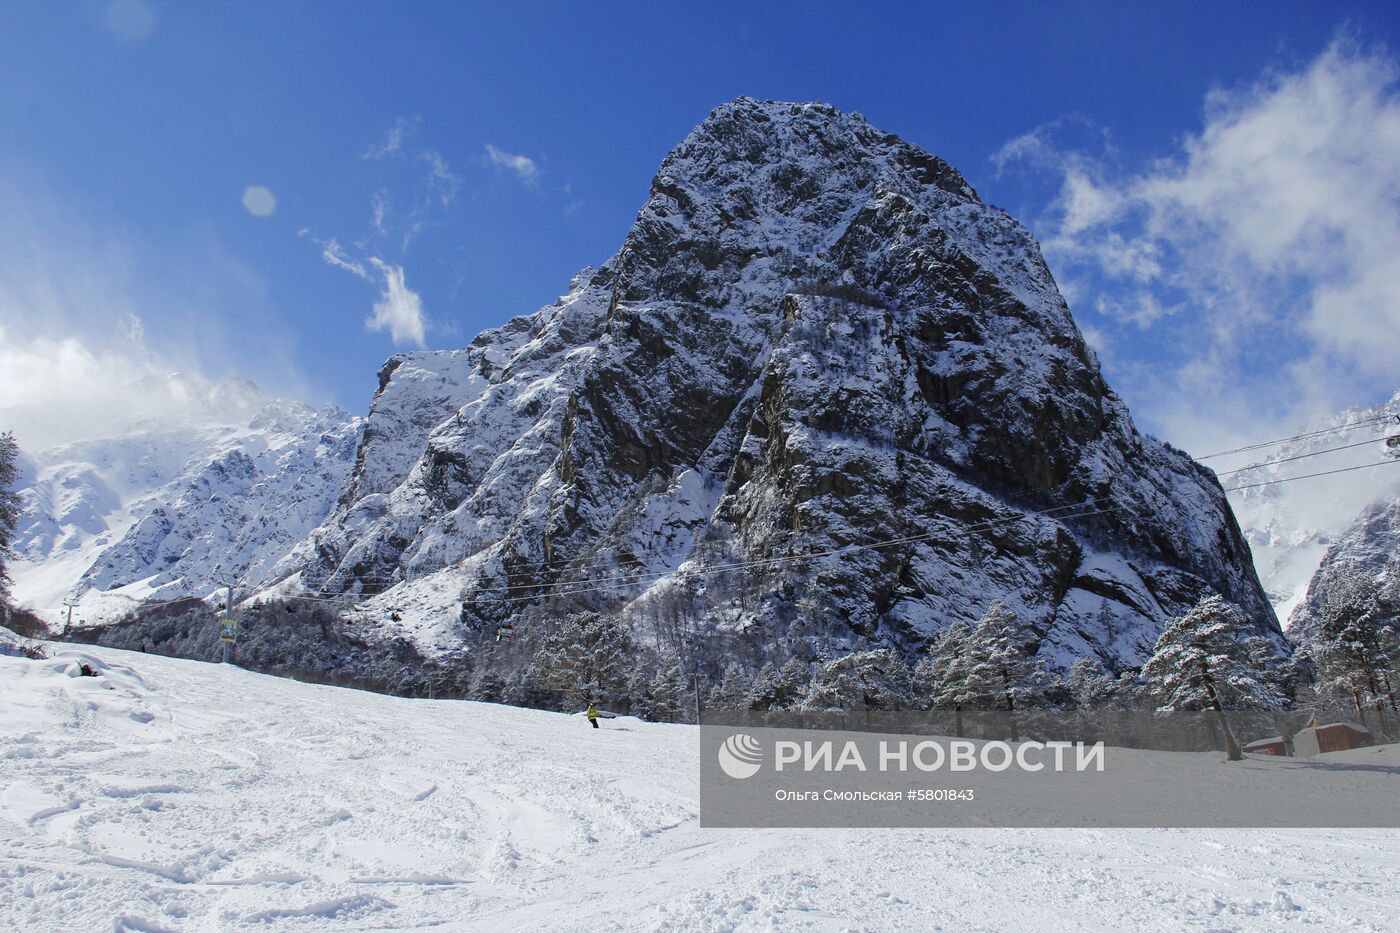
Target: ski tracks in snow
pixel 245 802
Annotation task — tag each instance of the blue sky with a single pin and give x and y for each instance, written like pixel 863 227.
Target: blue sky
pixel 466 159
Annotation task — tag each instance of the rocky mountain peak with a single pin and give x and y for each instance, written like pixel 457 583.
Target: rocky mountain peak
pixel 815 337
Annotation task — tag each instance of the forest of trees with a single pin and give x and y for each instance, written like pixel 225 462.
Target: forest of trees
pixel 1350 663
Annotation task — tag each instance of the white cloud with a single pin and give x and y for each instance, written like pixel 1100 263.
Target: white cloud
pixel 1258 260
pixel 523 166
pixel 399 309
pixel 37 368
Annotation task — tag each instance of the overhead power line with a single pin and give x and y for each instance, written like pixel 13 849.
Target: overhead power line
pixel 1316 453
pixel 1338 429
pixel 1364 466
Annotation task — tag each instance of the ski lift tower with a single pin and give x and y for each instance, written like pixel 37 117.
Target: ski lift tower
pixel 228 627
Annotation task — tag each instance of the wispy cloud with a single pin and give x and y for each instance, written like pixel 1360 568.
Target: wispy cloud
pixel 1259 257
pixel 335 254
pixel 442 185
pixel 393 139
pixel 379 205
pixel 399 309
pixel 522 166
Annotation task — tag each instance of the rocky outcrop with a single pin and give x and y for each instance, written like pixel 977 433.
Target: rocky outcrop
pixel 816 337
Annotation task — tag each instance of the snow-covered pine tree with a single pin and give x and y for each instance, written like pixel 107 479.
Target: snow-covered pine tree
pixel 9 508
pixel 764 688
pixel 1356 642
pixel 999 671
pixel 589 657
pixel 640 702
pixel 780 687
pixel 488 687
pixel 1213 659
pixel 1091 686
pixel 938 676
pixel 862 680
pixel 671 697
pixel 733 690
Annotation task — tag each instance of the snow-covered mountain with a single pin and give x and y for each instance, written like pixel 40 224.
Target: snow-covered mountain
pixel 1371 545
pixel 181 484
pixel 815 336
pixel 1291 526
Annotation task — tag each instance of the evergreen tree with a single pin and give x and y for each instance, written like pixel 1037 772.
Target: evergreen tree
pixel 588 658
pixel 9 508
pixel 640 702
pixel 998 669
pixel 862 680
pixel 733 690
pixel 1356 643
pixel 764 689
pixel 780 687
pixel 1212 659
pixel 488 687
pixel 1090 686
pixel 671 697
pixel 938 677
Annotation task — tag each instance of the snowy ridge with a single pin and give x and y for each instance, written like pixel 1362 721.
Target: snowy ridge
pixel 172 504
pixel 1291 526
pixel 815 335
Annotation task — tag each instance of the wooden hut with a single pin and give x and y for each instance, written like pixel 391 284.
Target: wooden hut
pixel 1332 737
pixel 1275 745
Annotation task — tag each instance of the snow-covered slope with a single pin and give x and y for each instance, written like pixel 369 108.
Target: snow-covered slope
pixel 196 484
pixel 816 335
pixel 171 795
pixel 1291 526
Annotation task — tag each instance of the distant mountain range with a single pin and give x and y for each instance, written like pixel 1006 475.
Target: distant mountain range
pixel 177 486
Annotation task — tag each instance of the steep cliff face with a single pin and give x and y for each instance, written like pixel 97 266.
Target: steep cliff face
pixel 815 337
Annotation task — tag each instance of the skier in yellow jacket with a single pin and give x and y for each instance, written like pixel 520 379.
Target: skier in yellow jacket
pixel 592 714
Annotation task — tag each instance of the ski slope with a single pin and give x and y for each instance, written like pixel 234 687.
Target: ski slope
pixel 173 795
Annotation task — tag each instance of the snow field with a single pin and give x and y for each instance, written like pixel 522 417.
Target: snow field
pixel 169 795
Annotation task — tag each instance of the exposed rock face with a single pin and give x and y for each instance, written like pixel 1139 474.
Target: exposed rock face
pixel 815 336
